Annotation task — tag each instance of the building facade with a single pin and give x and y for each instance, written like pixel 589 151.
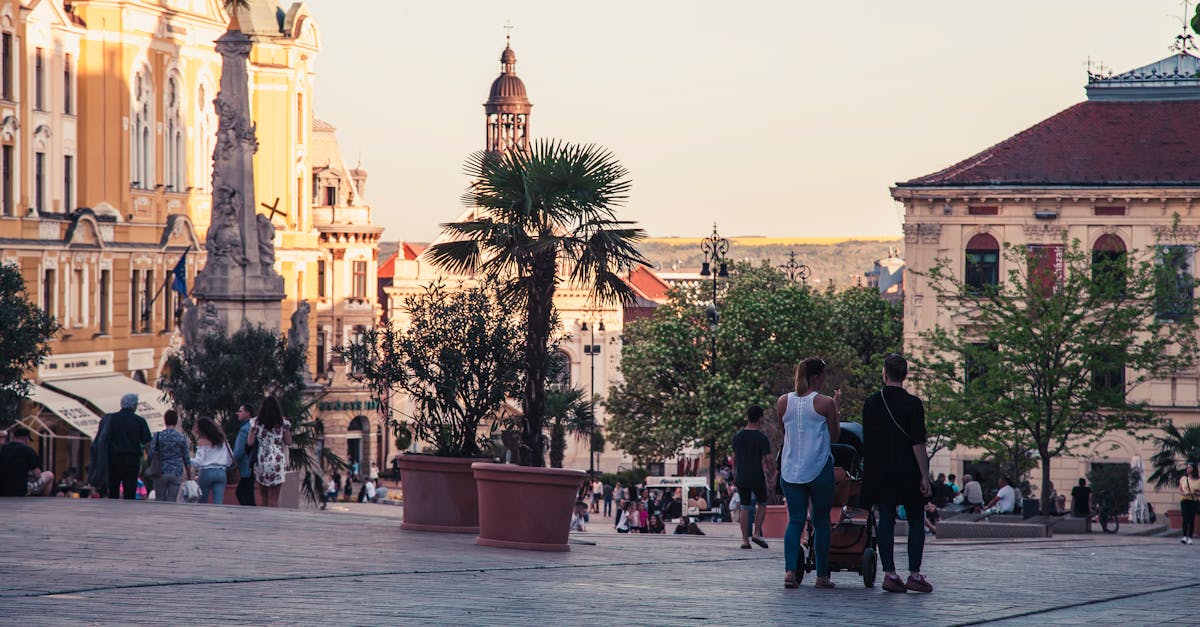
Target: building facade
pixel 107 131
pixel 1113 172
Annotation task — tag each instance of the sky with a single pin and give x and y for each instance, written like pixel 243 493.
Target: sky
pixel 784 118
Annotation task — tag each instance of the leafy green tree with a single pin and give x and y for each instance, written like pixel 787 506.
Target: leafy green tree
pixel 544 216
pixel 1174 448
pixel 225 371
pixel 457 357
pixel 1046 361
pixel 24 342
pixel 672 396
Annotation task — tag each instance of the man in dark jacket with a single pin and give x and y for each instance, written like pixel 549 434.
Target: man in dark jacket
pixel 127 434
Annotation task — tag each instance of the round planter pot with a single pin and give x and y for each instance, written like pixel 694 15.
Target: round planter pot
pixel 439 494
pixel 525 508
pixel 775 524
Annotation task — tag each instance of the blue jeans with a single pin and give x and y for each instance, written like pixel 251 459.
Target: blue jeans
pixel 212 482
pixel 887 535
pixel 820 491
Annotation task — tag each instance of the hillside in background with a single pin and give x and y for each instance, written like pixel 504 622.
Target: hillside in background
pixel 843 260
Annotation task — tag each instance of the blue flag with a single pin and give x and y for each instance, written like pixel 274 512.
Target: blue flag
pixel 180 282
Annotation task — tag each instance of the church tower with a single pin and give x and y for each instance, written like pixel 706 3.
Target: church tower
pixel 507 108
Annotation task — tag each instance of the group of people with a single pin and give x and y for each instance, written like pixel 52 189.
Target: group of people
pixel 371 491
pixel 125 451
pixel 896 477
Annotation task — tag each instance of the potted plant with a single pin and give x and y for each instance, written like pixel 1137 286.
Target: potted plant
pixel 542 216
pixel 457 360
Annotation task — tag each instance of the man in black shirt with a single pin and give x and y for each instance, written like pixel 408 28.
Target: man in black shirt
pixel 127 435
pixel 1081 499
pixel 896 471
pixel 21 469
pixel 751 455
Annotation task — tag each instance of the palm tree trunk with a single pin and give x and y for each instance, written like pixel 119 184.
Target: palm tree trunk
pixel 558 445
pixel 537 334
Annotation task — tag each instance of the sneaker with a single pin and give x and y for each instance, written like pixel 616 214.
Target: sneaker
pixel 1183 540
pixel 918 583
pixel 892 583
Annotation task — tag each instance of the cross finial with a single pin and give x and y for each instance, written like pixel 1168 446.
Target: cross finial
pixel 508 35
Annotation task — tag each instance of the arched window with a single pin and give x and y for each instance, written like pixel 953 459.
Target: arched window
pixel 205 138
pixel 983 261
pixel 1108 264
pixel 559 372
pixel 174 161
pixel 141 138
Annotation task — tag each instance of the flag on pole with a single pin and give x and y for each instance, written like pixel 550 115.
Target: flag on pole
pixel 180 282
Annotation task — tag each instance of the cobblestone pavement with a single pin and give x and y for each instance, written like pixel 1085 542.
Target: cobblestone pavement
pixel 104 562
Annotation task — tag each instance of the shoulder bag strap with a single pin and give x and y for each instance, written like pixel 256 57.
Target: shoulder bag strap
pixel 891 415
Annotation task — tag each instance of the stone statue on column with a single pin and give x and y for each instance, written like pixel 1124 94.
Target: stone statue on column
pixel 239 278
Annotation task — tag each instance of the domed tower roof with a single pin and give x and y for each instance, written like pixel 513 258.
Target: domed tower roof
pixel 507 94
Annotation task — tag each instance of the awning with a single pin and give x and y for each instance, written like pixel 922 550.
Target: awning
pixel 105 392
pixel 70 410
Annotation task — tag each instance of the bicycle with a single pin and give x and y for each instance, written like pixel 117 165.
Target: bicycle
pixel 1106 514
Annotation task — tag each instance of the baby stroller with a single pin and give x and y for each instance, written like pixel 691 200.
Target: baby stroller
pixel 852 540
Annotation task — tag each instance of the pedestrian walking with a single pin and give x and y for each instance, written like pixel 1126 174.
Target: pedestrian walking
pixel 126 434
pixel 272 434
pixel 608 498
pixel 170 448
pixel 374 473
pixel 213 458
pixel 1189 495
pixel 897 471
pixel 810 425
pixel 244 456
pixel 751 464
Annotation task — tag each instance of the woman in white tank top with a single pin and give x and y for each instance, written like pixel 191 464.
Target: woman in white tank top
pixel 810 425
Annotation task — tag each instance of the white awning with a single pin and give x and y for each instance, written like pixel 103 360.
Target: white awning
pixel 70 410
pixel 105 392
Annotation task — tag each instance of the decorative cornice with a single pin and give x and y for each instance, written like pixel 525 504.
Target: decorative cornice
pixel 1189 233
pixel 925 233
pixel 1044 233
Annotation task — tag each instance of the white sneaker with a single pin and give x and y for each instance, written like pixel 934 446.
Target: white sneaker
pixel 1183 540
pixel 1189 540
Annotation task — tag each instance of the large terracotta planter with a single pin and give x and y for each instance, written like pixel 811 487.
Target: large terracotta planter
pixel 525 508
pixel 1176 518
pixel 775 524
pixel 439 494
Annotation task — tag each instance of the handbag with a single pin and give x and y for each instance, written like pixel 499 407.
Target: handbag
pixel 153 470
pixel 232 474
pixel 189 492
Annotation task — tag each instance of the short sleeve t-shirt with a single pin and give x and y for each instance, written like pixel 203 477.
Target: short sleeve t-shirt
pixel 1008 499
pixel 16 460
pixel 749 448
pixel 1079 500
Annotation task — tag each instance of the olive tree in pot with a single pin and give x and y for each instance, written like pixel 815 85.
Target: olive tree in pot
pixel 542 217
pixel 455 355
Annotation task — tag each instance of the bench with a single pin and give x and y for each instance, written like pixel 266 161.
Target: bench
pixel 964 529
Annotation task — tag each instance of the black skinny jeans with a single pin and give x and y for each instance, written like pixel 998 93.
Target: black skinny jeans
pixel 245 491
pixel 123 471
pixel 1188 509
pixel 887 535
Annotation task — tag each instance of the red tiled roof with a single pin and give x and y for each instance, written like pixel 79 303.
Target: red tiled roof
pixel 649 283
pixel 412 251
pixel 1091 143
pixel 387 269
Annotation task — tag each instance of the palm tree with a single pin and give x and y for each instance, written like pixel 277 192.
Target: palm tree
pixel 1175 446
pixel 568 412
pixel 543 216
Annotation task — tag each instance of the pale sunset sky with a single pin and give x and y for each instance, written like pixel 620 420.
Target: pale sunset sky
pixel 785 118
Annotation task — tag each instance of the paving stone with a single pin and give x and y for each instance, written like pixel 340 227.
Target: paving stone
pixel 106 562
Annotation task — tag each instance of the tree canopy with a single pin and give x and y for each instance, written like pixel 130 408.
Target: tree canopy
pixel 24 342
pixel 672 396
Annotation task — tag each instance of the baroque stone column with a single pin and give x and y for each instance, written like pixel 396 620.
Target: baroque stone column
pixel 239 277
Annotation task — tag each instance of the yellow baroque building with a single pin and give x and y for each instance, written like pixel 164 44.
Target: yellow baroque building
pixel 107 128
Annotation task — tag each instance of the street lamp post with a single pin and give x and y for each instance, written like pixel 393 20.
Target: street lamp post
pixel 714 248
pixel 591 350
pixel 795 271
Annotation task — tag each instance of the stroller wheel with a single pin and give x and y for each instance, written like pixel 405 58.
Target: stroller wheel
pixel 868 568
pixel 803 562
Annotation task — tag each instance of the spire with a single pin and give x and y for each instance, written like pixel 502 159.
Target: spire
pixel 507 108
